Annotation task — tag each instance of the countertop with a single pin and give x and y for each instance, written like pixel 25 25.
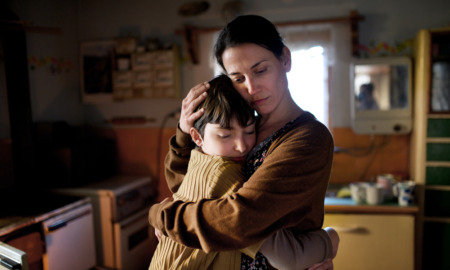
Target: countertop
pixel 25 208
pixel 347 205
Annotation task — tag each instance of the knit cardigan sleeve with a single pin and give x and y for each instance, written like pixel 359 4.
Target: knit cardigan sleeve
pixel 286 191
pixel 177 159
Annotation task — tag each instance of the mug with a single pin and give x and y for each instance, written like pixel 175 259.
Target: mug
pixel 387 181
pixel 405 192
pixel 358 192
pixel 374 193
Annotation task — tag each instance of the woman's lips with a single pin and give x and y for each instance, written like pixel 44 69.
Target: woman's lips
pixel 259 101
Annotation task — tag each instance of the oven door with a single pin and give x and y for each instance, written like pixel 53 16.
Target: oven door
pixel 135 242
pixel 12 258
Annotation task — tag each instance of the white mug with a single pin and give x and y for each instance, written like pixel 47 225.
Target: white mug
pixel 405 192
pixel 358 192
pixel 374 193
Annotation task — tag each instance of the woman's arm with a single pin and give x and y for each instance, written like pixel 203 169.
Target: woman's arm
pixel 287 190
pixel 287 251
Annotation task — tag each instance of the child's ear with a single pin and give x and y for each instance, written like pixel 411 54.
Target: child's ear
pixel 196 137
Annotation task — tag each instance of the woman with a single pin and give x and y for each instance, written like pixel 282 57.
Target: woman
pixel 288 169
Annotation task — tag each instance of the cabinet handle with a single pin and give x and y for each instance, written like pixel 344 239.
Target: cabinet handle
pixel 352 229
pixel 63 222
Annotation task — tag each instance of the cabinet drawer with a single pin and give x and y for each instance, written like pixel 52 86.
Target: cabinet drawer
pixel 437 203
pixel 436 243
pixel 438 151
pixel 373 241
pixel 438 128
pixel 437 175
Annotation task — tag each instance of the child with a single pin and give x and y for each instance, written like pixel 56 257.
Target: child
pixel 225 134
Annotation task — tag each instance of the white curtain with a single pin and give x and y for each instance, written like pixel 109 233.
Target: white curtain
pixel 303 37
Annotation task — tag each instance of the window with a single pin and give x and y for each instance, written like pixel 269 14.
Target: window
pixel 308 81
pixel 308 78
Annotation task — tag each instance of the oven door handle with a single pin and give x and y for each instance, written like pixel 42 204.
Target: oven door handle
pixel 63 222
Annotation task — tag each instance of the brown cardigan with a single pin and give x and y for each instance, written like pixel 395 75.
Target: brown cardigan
pixel 286 191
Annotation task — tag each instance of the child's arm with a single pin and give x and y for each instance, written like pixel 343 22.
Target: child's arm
pixel 284 250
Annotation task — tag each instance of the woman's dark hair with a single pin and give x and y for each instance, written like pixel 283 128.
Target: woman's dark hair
pixel 223 103
pixel 249 29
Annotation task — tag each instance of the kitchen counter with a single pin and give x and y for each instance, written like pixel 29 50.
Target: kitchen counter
pixel 347 205
pixel 22 209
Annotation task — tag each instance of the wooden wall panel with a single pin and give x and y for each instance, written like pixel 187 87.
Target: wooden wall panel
pixel 138 152
pixel 138 147
pixel 354 161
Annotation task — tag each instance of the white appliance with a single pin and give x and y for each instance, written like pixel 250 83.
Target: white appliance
pixel 124 238
pixel 69 240
pixel 12 258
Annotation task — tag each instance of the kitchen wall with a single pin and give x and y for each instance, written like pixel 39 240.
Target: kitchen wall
pixel 54 67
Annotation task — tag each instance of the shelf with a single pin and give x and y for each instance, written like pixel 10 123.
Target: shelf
pixel 438 140
pixel 438 116
pixel 115 70
pixel 437 187
pixel 437 219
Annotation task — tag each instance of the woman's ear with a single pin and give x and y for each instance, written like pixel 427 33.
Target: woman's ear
pixel 196 137
pixel 286 59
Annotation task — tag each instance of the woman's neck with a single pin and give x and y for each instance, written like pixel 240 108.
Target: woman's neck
pixel 270 123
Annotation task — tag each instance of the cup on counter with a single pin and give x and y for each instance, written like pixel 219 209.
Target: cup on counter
pixel 374 193
pixel 358 192
pixel 387 181
pixel 405 191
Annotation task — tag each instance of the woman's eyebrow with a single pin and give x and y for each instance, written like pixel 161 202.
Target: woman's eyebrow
pixel 252 67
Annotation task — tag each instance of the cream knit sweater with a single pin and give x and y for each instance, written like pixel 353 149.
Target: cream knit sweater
pixel 207 177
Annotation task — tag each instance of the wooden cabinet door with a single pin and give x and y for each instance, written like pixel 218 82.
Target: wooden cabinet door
pixel 373 241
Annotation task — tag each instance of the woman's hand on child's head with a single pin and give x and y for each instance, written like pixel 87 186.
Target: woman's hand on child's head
pixel 188 115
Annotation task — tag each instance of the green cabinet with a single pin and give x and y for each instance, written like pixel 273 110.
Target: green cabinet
pixel 430 145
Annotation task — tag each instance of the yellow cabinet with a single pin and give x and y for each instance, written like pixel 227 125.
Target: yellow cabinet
pixel 373 241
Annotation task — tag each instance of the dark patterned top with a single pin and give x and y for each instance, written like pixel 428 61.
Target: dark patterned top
pixel 254 159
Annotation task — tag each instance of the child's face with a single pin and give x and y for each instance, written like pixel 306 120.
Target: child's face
pixel 235 142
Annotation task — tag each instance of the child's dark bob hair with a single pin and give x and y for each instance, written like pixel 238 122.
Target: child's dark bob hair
pixel 223 103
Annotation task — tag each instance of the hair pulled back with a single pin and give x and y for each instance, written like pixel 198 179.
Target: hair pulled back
pixel 249 29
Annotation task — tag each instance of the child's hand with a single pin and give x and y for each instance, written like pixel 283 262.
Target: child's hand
pixel 325 265
pixel 158 234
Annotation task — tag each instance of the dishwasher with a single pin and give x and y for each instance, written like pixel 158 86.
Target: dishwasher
pixel 69 239
pixel 12 258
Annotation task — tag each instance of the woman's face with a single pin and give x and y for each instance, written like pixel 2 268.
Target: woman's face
pixel 258 75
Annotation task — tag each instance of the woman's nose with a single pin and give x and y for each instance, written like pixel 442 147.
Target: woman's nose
pixel 251 86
